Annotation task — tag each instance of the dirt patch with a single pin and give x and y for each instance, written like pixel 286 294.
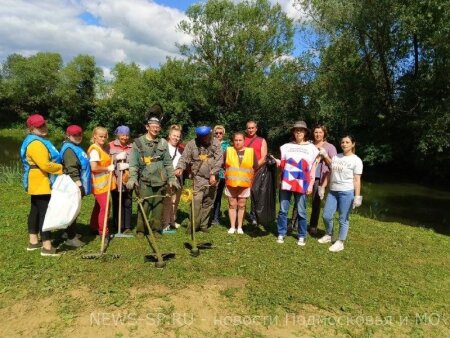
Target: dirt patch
pixel 215 309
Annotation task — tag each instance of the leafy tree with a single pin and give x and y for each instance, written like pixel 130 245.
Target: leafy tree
pixel 30 82
pixel 76 92
pixel 233 46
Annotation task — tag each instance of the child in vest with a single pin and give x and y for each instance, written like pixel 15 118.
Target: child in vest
pixel 102 177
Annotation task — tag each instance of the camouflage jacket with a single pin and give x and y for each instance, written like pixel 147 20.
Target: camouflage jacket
pixel 150 162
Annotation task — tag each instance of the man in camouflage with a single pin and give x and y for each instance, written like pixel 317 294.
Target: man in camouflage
pixel 205 157
pixel 151 170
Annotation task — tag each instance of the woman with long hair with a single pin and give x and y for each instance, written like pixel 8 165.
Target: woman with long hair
pixel 345 192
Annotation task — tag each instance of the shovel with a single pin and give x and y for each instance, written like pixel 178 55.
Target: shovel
pixel 157 257
pixel 102 253
pixel 119 225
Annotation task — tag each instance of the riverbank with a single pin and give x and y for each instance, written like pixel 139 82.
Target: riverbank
pixel 391 280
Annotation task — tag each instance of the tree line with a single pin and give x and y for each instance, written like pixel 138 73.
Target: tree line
pixel 378 69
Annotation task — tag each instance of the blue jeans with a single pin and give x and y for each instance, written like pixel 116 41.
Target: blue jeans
pixel 342 201
pixel 285 201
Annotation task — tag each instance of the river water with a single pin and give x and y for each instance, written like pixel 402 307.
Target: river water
pixel 388 200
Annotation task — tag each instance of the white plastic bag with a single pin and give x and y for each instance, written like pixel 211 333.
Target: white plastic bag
pixel 64 205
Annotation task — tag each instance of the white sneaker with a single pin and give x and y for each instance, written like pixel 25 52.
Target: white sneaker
pixel 301 241
pixel 324 239
pixel 74 242
pixel 280 239
pixel 337 246
pixel 231 231
pixel 240 231
pixel 176 225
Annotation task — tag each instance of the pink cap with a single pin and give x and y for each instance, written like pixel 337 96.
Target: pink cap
pixel 35 121
pixel 73 129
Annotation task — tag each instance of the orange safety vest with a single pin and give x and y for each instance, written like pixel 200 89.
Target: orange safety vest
pixel 239 175
pixel 100 180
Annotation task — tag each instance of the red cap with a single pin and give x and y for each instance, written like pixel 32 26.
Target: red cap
pixel 73 129
pixel 35 121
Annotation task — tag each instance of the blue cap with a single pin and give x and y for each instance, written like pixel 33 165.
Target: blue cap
pixel 122 130
pixel 203 131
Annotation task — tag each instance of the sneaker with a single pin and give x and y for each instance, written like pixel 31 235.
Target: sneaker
pixel 231 231
pixel 167 230
pixel 204 230
pixel 280 239
pixel 301 241
pixel 240 231
pixel 215 222
pixel 32 247
pixel 176 225
pixel 74 242
pixel 337 246
pixel 324 239
pixel 49 253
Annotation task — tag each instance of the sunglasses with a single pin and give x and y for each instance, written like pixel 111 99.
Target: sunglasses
pixel 219 132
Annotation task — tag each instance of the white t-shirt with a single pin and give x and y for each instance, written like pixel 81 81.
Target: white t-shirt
pixel 296 163
pixel 94 156
pixel 343 168
pixel 175 159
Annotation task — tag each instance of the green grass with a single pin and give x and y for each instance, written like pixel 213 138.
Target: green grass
pixel 387 270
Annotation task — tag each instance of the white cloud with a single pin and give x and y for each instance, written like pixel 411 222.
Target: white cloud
pixel 130 30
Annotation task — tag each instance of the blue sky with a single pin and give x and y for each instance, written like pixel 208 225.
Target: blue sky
pixel 141 31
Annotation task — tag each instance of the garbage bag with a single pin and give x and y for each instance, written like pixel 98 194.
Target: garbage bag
pixel 264 193
pixel 64 205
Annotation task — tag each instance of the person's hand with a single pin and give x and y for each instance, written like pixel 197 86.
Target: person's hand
pixel 121 156
pixel 357 201
pixel 131 184
pixel 174 184
pixel 321 192
pixel 309 190
pixel 323 152
pixel 110 168
pixel 276 160
pixel 178 172
pixel 212 180
pixel 122 166
pixel 82 191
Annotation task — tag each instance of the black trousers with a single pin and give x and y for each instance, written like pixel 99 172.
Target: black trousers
pixel 127 205
pixel 218 200
pixel 39 205
pixel 315 205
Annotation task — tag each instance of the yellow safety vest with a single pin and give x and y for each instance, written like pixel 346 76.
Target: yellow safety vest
pixel 100 180
pixel 239 175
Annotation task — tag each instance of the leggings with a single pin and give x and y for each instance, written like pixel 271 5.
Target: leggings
pixel 39 204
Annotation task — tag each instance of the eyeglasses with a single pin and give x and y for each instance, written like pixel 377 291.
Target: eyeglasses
pixel 219 132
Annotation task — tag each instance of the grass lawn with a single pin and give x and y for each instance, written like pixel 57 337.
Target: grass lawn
pixel 392 279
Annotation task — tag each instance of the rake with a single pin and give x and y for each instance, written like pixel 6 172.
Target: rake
pixel 193 246
pixel 102 254
pixel 157 257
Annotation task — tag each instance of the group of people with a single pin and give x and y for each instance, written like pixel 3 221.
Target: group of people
pixel 154 168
